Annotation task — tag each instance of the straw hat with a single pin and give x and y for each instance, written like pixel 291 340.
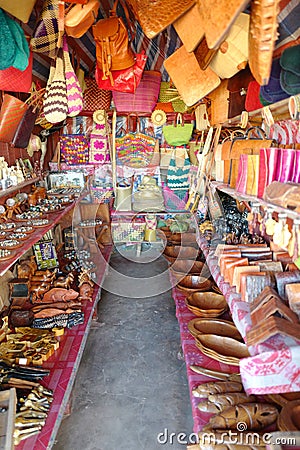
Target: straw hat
pixel 99 116
pixel 158 117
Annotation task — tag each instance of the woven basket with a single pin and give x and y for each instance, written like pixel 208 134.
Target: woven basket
pixel 128 231
pixel 102 195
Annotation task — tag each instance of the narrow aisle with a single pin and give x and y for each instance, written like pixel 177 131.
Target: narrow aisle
pixel 132 383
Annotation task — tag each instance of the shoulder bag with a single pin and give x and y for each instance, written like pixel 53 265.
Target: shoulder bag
pixel 179 133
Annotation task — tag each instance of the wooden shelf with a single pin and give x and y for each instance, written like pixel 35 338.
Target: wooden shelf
pixel 34 237
pixel 11 189
pixel 251 198
pixel 279 110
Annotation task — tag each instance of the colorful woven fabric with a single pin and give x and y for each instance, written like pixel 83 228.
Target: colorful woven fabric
pixel 74 149
pixel 99 150
pixel 135 149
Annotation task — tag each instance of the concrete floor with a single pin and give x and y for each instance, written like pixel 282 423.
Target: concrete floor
pixel 131 384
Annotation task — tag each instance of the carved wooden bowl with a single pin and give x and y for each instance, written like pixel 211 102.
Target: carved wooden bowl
pixel 165 230
pixel 222 348
pixel 206 304
pixel 194 283
pixel 187 266
pixel 214 326
pixel 177 251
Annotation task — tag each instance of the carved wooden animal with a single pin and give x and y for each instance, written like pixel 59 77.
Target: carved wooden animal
pixel 64 282
pixel 43 276
pixel 27 267
pixel 38 290
pixel 86 291
pixel 60 294
pixel 85 277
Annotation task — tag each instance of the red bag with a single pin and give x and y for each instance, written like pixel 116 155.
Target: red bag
pixel 14 80
pixel 126 80
pixel 252 97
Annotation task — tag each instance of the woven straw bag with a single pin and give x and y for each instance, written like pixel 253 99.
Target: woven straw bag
pixel 74 92
pixel 95 98
pixel 56 102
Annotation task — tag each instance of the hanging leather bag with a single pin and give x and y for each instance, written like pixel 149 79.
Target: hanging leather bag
pixel 113 50
pixel 81 17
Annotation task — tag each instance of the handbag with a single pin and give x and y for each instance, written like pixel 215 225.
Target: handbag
pixel 189 28
pixel 74 149
pixel 272 92
pixel 14 50
pixel 179 133
pixel 169 94
pixel 145 97
pixel 166 153
pixel 136 149
pixel 25 127
pixel 15 80
pixel 237 87
pixel 252 101
pixel 74 92
pixel 55 102
pixel 11 113
pixel 125 80
pixel 113 51
pixel 48 30
pixel 178 177
pixel 99 150
pixel 81 17
pixel 95 98
pixel 20 10
pixel 233 54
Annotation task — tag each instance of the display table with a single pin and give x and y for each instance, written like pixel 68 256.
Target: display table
pixel 275 365
pixel 194 357
pixel 63 367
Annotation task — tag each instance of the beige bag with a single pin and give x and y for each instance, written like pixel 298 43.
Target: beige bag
pixel 233 53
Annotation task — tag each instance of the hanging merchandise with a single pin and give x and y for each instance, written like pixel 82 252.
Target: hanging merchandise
pixel 189 28
pixel 195 149
pixel 80 17
pixel 178 176
pixel 154 17
pixel 150 229
pixel 290 70
pixel 233 53
pixel 201 116
pixel 99 152
pixel 145 97
pixel 252 101
pixel 272 92
pixel 125 80
pixel 74 92
pixel 26 124
pixel 169 94
pixel 20 10
pixel 136 149
pixel 179 133
pixel 113 50
pixel 49 29
pixel 191 81
pixel 237 87
pixel 262 38
pixel 219 104
pixel 56 101
pixel 15 80
pixel 74 149
pixel 166 152
pixel 95 98
pixel 11 114
pixel 14 50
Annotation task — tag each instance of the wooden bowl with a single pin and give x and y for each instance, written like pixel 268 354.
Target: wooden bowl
pixel 179 252
pixel 187 266
pixel 214 326
pixel 206 304
pixel 222 348
pixel 166 231
pixel 193 283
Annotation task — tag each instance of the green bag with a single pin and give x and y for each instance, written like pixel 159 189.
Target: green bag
pixel 179 133
pixel 14 50
pixel 290 70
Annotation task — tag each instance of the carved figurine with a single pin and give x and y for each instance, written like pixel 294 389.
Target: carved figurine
pixel 64 282
pixel 60 294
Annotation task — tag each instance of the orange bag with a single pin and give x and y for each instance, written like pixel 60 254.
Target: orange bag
pixel 81 17
pixel 11 113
